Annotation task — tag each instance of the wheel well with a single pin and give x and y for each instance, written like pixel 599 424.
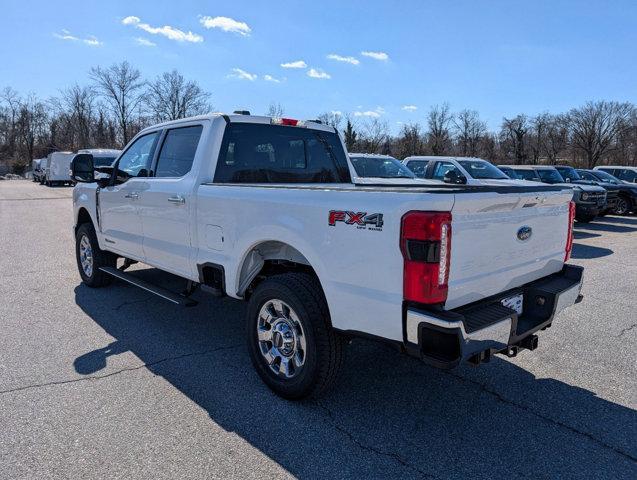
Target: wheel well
pixel 267 259
pixel 83 217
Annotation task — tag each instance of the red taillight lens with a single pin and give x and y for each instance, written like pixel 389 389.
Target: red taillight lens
pixel 569 236
pixel 425 242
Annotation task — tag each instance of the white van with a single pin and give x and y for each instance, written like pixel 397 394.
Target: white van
pixel 102 157
pixel 58 166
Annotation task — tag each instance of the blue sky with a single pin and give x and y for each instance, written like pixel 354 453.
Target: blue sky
pixel 498 57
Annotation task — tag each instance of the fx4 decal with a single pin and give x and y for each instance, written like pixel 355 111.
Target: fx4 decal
pixel 373 221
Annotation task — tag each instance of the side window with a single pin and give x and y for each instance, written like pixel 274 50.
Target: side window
pixel 257 153
pixel 588 176
pixel 419 167
pixel 135 161
pixel 626 175
pixel 442 168
pixel 178 151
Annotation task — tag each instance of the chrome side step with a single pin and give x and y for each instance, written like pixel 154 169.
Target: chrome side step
pixel 149 287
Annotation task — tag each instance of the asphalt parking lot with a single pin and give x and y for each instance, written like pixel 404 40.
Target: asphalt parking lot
pixel 116 383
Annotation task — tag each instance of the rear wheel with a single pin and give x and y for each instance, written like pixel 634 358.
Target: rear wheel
pixel 292 345
pixel 90 258
pixel 623 206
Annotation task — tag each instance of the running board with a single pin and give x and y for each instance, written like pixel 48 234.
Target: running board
pixel 149 287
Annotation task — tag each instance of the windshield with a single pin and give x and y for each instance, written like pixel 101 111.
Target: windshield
pixel 482 170
pixel 605 176
pixel 528 175
pixel 103 161
pixel 550 176
pixel 569 173
pixel 380 167
pixel 511 173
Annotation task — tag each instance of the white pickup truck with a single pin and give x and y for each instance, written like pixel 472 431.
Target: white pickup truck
pixel 264 209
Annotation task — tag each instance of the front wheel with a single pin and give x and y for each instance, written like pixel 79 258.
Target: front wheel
pixel 622 207
pixel 292 345
pixel 90 258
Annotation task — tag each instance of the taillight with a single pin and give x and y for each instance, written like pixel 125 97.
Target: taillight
pixel 290 122
pixel 425 242
pixel 569 236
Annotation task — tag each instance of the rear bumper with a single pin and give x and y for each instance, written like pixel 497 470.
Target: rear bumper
pixel 475 332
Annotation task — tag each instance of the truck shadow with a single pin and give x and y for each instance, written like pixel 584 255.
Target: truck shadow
pixel 632 220
pixel 604 227
pixel 390 415
pixel 589 251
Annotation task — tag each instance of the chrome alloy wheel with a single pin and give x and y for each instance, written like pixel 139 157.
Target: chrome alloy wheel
pixel 86 256
pixel 281 338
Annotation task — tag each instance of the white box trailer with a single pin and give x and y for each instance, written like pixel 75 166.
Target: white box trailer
pixel 58 166
pixel 102 157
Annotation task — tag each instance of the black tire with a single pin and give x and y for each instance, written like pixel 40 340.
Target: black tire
pixel 584 218
pixel 324 352
pixel 623 206
pixel 100 258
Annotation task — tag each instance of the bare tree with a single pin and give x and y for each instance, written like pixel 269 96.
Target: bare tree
pixel 332 119
pixel 556 140
pixel 122 88
pixel 75 109
pixel 439 120
pixel 514 134
pixel 469 131
pixel 171 97
pixel 537 137
pixel 596 128
pixel 275 110
pixel 375 134
pixel 410 141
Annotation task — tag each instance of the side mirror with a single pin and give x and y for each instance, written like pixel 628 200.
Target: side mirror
pixel 453 176
pixel 82 168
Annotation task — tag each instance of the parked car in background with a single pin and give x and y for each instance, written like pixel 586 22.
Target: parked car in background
pixel 570 175
pixel 58 166
pixel 510 172
pixel 381 169
pixel 589 200
pixel 270 215
pixel 627 198
pixel 459 170
pixel 624 173
pixel 36 167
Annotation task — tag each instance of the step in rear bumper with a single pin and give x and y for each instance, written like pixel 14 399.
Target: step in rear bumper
pixel 446 338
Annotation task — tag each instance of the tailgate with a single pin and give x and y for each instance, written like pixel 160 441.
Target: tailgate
pixel 490 251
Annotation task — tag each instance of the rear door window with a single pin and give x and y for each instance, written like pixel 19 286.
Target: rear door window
pixel 258 153
pixel 626 175
pixel 419 167
pixel 178 151
pixel 442 168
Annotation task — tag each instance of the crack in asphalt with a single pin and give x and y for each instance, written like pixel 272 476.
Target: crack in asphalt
pixel 117 372
pixel 553 421
pixel 626 330
pixel 369 448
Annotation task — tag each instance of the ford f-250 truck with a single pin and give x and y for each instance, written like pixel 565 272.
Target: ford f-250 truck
pixel 264 209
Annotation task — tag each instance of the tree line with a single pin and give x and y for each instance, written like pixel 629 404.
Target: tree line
pixel 118 102
pixel 599 132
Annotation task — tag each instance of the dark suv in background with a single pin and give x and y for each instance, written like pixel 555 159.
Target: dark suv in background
pixel 627 198
pixel 570 175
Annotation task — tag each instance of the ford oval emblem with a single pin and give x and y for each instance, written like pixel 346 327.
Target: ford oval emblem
pixel 524 233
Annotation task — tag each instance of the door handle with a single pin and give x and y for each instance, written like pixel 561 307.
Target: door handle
pixel 177 199
pixel 133 195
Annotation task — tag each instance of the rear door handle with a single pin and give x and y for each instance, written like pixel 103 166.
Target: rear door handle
pixel 132 196
pixel 177 199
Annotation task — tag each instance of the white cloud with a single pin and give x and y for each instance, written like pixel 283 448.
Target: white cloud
pixel 315 73
pixel 376 55
pixel 368 113
pixel 242 74
pixel 270 78
pixel 295 64
pixel 226 24
pixel 409 108
pixel 376 113
pixel 91 40
pixel 340 58
pixel 167 31
pixel 144 42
